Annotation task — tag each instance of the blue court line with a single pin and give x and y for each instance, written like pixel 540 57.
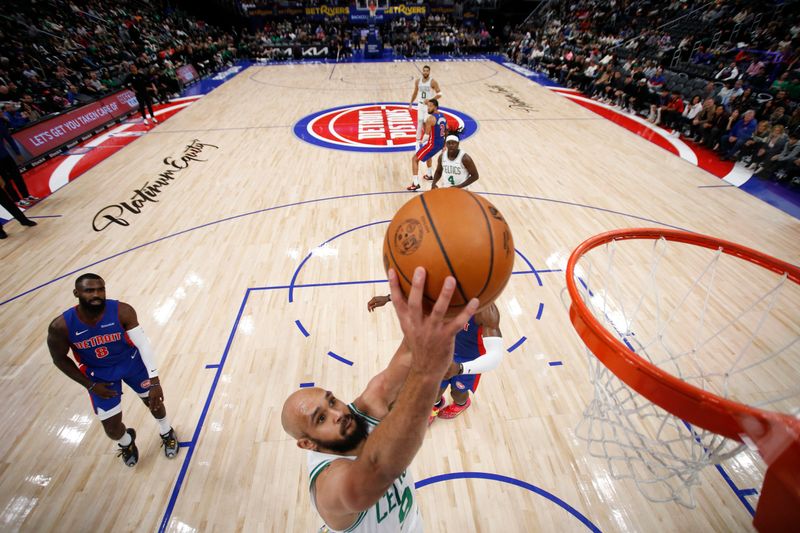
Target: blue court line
pixel 517 344
pixel 511 481
pixel 555 363
pixel 530 265
pixel 185 444
pixel 198 428
pixel 340 358
pixel 301 328
pixel 306 258
pixel 214 365
pixel 307 384
pixel 45 216
pixel 305 202
pixel 539 311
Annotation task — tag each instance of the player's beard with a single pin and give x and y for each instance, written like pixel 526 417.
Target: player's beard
pixel 92 307
pixel 349 442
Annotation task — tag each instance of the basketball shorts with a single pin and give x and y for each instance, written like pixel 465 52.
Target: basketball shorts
pixel 429 150
pixel 422 114
pixel 133 372
pixel 463 382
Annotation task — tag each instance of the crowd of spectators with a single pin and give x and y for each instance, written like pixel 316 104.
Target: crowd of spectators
pixel 59 54
pixel 724 74
pixel 440 34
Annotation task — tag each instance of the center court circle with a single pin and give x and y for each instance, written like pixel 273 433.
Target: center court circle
pixel 374 127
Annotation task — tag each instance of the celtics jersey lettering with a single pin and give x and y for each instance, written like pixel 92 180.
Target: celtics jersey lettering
pixel 425 90
pixel 453 170
pixel 396 510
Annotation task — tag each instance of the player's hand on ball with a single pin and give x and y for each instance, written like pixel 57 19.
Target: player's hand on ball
pixel 104 390
pixel 430 337
pixel 377 301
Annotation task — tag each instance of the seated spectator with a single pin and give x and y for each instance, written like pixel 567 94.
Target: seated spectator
pixel 31 110
pixel 779 116
pixel 657 81
pixel 701 124
pixel 781 84
pixel 777 166
pixel 754 143
pixel 733 140
pixel 15 118
pixel 670 114
pixel 772 146
pixel 719 124
pixel 690 112
pixel 729 73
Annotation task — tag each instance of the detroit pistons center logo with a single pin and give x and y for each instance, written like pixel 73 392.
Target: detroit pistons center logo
pixel 378 127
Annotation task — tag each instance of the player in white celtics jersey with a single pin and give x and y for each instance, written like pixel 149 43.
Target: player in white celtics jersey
pixel 425 88
pixel 454 167
pixel 359 453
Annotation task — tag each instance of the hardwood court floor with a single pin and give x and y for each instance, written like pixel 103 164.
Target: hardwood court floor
pixel 207 268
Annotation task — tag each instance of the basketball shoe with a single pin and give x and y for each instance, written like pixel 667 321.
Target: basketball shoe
pixel 453 410
pixel 170 443
pixel 129 453
pixel 436 409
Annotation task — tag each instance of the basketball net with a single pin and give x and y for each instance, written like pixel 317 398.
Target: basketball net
pixel 373 8
pixel 725 325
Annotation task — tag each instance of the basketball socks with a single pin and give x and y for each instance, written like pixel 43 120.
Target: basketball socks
pixel 126 440
pixel 415 179
pixel 430 172
pixel 163 425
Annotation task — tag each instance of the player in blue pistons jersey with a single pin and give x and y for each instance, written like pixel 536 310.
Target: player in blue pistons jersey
pixel 110 347
pixel 478 349
pixel 435 131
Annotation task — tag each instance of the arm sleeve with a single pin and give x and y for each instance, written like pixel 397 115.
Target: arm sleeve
pixel 491 360
pixel 140 340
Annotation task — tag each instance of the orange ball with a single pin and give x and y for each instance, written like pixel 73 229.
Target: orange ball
pixel 451 232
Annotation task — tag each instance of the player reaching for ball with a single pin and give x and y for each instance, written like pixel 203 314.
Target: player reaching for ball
pixel 435 129
pixel 478 349
pixel 110 347
pixel 359 453
pixel 454 165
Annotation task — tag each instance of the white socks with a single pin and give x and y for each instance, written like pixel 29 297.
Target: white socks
pixel 415 179
pixel 125 440
pixel 430 172
pixel 163 425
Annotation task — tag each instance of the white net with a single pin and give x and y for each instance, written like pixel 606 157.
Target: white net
pixel 717 322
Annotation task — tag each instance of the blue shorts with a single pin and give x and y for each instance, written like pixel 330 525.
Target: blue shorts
pixel 429 150
pixel 463 382
pixel 134 373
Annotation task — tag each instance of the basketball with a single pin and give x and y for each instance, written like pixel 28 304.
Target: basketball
pixel 451 232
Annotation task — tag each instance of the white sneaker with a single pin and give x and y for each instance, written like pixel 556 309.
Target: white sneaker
pixel 146 121
pixel 155 121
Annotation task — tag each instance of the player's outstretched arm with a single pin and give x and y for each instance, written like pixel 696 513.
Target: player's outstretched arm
pixel 469 164
pixel 348 487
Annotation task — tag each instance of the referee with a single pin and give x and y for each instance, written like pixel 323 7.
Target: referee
pixel 141 85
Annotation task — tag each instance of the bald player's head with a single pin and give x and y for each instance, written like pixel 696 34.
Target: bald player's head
pixel 319 421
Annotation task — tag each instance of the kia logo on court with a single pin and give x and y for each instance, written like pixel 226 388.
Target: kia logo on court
pixel 376 127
